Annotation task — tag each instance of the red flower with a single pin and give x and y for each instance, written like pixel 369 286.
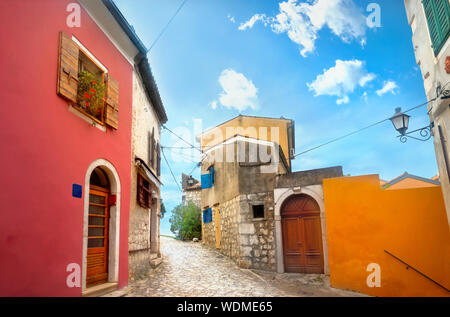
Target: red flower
pixel 87 104
pixel 94 82
pixel 87 95
pixel 92 90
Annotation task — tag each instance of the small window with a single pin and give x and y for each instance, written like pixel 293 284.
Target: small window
pixel 258 211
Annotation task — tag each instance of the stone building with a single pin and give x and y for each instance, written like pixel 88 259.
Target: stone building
pixel 148 115
pixel 430 24
pixel 191 190
pixel 255 210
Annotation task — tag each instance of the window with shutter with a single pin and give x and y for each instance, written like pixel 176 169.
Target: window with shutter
pixel 205 181
pixel 143 192
pixel 438 17
pixel 81 80
pixel 112 102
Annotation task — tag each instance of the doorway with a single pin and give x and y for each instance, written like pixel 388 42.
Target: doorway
pixel 98 228
pixel 217 226
pixel 302 235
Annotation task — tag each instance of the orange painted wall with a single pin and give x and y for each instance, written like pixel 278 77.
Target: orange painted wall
pixel 363 220
pixel 411 183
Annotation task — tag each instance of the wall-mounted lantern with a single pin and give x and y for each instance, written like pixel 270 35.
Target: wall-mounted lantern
pixel 400 121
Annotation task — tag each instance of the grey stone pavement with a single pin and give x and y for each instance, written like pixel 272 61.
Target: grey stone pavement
pixel 190 269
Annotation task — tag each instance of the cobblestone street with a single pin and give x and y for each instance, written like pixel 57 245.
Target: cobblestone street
pixel 191 269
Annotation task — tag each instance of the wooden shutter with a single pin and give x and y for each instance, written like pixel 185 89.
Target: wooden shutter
pixel 438 17
pixel 112 102
pixel 67 85
pixel 151 143
pixel 158 159
pixel 140 190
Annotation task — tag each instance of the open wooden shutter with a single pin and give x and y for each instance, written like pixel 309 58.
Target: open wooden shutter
pixel 438 17
pixel 112 102
pixel 67 85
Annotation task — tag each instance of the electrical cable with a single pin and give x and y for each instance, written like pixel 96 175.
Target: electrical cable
pixel 168 23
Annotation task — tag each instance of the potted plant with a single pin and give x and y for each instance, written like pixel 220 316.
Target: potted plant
pixel 91 94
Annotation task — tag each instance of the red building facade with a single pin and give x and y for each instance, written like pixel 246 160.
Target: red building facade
pixel 65 169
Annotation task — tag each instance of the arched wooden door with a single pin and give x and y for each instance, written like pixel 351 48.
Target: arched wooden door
pixel 97 252
pixel 302 235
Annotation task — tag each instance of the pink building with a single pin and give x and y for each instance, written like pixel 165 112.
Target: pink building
pixel 66 151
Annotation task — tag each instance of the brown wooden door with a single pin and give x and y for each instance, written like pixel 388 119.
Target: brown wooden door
pixel 97 252
pixel 302 235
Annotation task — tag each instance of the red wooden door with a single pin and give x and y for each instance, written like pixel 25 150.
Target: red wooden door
pixel 97 252
pixel 302 235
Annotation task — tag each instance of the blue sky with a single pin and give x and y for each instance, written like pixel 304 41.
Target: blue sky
pixel 311 61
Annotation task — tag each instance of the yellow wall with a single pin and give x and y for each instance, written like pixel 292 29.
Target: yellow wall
pixel 211 137
pixel 363 220
pixel 411 183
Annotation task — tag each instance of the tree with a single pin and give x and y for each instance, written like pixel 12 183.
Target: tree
pixel 186 221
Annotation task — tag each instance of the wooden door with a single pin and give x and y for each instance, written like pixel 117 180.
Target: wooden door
pixel 217 226
pixel 302 235
pixel 97 252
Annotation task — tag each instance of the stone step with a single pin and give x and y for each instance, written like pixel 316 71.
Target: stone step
pixel 99 290
pixel 153 256
pixel 154 263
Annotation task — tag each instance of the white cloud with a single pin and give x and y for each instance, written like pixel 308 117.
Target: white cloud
pixel 213 104
pixel 249 24
pixel 388 86
pixel 238 91
pixel 365 97
pixel 341 80
pixel 231 18
pixel 303 21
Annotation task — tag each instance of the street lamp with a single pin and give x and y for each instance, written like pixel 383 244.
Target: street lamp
pixel 400 121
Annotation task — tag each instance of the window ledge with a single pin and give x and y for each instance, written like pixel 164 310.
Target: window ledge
pixel 258 219
pixel 86 118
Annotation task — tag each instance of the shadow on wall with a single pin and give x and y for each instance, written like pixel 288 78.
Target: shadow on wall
pixel 363 221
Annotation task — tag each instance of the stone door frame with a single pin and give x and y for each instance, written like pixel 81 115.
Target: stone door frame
pixel 280 195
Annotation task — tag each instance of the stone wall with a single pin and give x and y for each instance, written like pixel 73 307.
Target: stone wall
pixel 247 240
pixel 257 234
pixel 229 228
pixel 195 196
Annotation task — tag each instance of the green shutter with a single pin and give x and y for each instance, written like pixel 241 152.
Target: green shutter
pixel 438 18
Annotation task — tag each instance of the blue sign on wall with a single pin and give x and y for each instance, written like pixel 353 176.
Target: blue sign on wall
pixel 77 191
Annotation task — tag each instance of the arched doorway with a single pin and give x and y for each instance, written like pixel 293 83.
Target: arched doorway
pixel 302 235
pixel 98 228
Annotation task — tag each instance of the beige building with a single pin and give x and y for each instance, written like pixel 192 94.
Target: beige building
pixel 430 24
pixel 145 199
pixel 254 207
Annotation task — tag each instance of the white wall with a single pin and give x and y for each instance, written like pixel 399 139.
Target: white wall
pixel 433 73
